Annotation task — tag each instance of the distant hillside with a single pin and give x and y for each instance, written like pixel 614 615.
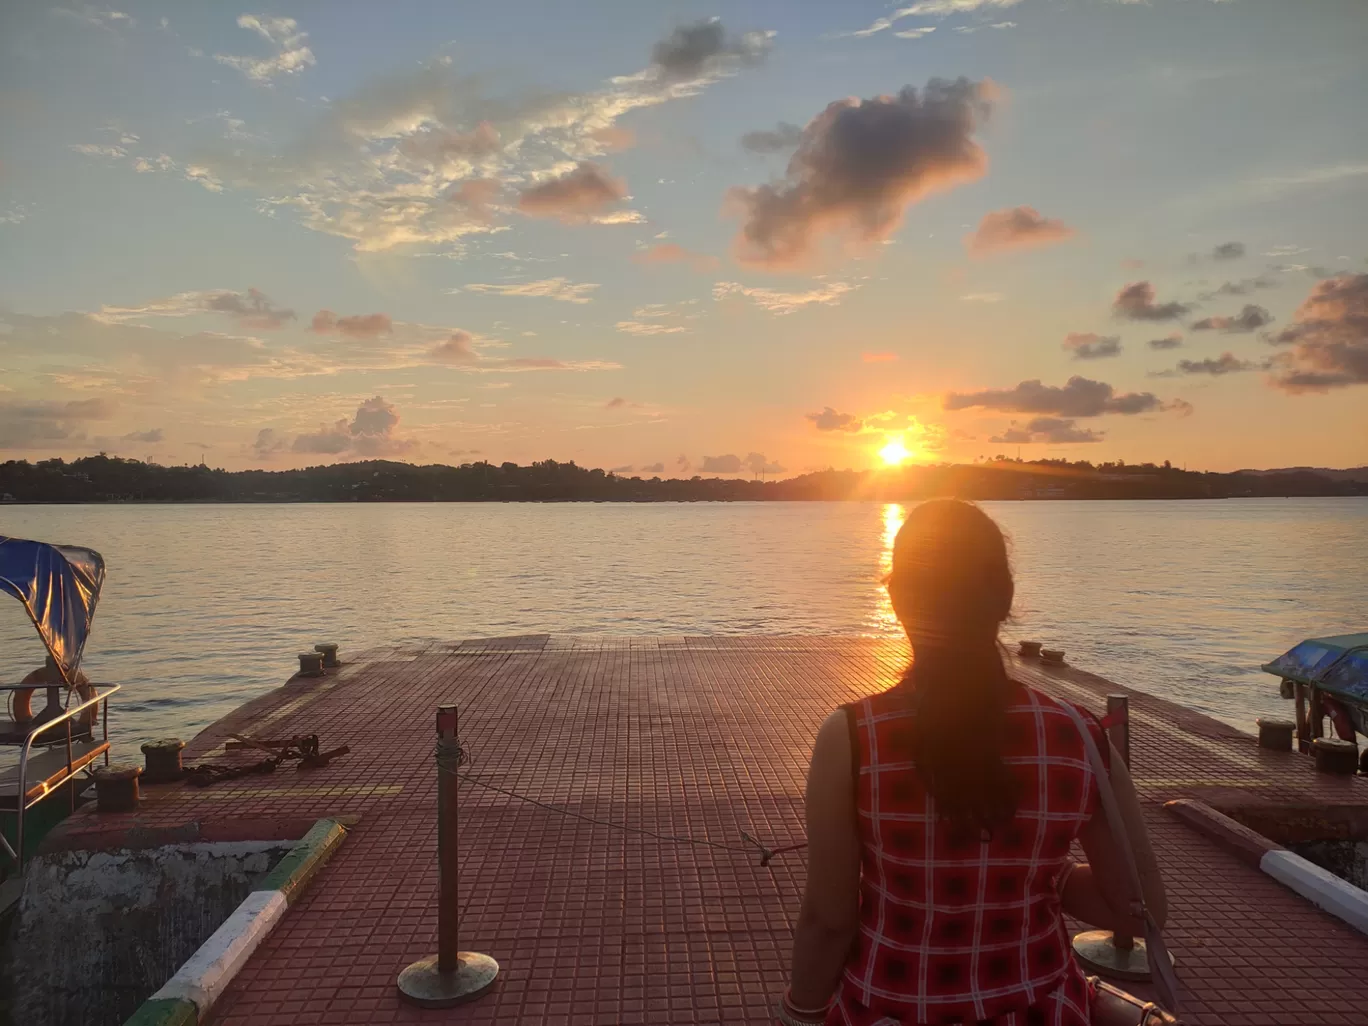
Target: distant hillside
pixel 111 479
pixel 1352 474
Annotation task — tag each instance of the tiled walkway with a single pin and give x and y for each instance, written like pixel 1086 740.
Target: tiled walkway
pixel 702 737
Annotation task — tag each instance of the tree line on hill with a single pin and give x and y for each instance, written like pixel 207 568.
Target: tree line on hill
pixel 105 478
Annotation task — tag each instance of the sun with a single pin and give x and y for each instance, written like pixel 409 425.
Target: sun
pixel 894 452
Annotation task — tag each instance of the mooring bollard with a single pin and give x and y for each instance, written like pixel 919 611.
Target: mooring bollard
pixel 451 976
pixel 1335 756
pixel 311 664
pixel 116 787
pixel 162 760
pixel 1029 649
pixel 1052 656
pixel 1275 734
pixel 329 652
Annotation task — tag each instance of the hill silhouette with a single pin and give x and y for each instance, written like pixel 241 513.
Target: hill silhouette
pixel 113 479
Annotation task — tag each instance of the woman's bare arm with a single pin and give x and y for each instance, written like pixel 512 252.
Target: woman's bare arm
pixel 829 919
pixel 1104 889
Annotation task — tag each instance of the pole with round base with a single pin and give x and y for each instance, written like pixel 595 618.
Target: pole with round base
pixel 451 976
pixel 1100 952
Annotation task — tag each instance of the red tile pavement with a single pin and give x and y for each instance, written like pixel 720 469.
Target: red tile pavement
pixel 702 737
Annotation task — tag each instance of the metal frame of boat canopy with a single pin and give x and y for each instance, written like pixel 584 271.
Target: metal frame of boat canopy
pixel 59 586
pixel 1317 667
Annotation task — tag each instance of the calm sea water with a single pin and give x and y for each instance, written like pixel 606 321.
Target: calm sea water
pixel 206 606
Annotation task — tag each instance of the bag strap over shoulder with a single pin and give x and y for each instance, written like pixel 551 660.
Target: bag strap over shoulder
pixel 1161 966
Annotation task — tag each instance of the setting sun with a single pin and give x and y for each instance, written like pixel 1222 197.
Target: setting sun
pixel 894 452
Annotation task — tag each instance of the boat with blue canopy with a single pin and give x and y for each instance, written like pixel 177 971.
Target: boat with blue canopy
pixel 59 587
pixel 1320 672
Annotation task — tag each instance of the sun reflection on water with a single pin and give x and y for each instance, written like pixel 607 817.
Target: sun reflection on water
pixel 894 513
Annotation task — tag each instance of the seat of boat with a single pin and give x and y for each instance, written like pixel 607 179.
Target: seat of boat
pixel 47 770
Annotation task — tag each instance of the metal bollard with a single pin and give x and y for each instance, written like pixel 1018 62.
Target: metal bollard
pixel 328 649
pixel 310 664
pixel 451 976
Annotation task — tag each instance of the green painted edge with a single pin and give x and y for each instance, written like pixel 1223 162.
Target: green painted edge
pixel 293 873
pixel 164 1012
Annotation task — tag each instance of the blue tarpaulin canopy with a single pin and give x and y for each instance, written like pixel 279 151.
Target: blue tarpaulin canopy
pixel 1338 665
pixel 59 586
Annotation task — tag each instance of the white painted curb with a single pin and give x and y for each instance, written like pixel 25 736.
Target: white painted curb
pixel 207 973
pixel 1338 897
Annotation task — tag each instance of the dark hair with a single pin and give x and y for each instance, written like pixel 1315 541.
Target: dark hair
pixel 951 586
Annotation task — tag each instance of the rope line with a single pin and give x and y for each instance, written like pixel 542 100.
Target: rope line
pixel 451 757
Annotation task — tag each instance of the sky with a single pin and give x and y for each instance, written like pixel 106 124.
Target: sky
pixel 678 239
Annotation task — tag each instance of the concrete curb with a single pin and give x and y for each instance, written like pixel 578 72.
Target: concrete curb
pixel 1318 886
pixel 186 998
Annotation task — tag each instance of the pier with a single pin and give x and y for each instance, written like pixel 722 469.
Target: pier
pixel 678 740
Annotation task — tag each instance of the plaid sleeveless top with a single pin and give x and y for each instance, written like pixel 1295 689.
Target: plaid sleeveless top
pixel 955 928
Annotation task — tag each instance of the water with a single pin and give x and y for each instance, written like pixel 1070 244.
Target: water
pixel 206 606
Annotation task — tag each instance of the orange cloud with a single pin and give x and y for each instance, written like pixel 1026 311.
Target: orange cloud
pixel 456 349
pixel 359 326
pixel 613 138
pixel 1015 228
pixel 575 196
pixel 672 253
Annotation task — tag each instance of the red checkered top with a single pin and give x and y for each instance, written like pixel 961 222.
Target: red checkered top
pixel 955 927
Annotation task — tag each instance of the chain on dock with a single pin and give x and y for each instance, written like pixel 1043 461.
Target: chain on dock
pixel 452 756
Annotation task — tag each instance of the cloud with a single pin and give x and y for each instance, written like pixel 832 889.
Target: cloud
pixel 672 253
pixel 1050 430
pixel 1251 318
pixel 1015 228
pixel 776 302
pixel 357 327
pixel 1240 288
pixel 253 308
pixel 1226 363
pixel 268 443
pixel 929 8
pixel 627 469
pixel 1228 251
pixel 653 468
pixel 1136 302
pixel 1328 336
pixel 98 150
pixel 756 463
pixel 152 435
pixel 94 17
pixel 1085 345
pixel 382 167
pixel 1167 342
pixel 369 435
pixel 879 357
pixel 291 55
pixel 649 328
pixel 1078 397
pixel 42 423
pixel 616 403
pixel 575 196
pixel 703 48
pixel 916 33
pixel 457 348
pixel 859 164
pixel 728 464
pixel 830 420
pixel 547 288
pixel 781 137
pixel 982 297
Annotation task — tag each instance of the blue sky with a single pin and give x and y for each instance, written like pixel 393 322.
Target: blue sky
pixel 442 232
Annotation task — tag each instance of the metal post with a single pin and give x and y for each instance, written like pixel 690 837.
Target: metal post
pixel 1118 706
pixel 1118 955
pixel 451 976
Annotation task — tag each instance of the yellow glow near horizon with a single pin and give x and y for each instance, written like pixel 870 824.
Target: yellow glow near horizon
pixel 894 452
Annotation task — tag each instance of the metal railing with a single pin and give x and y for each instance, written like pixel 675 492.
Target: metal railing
pixel 22 802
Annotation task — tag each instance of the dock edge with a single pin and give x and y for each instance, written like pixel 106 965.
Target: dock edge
pixel 186 998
